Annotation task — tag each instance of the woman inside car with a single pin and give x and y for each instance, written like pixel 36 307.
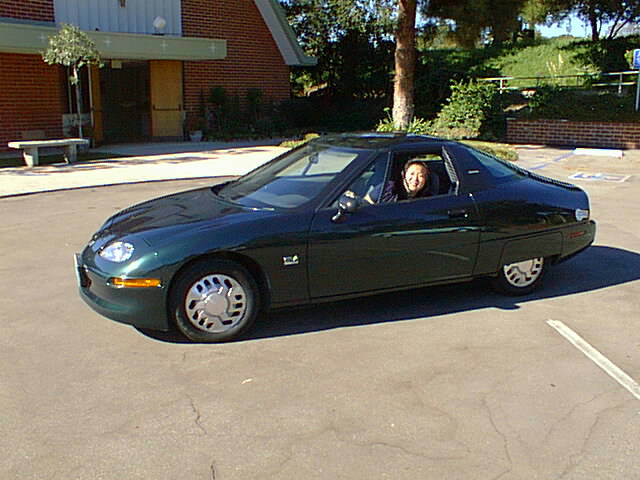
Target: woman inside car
pixel 414 183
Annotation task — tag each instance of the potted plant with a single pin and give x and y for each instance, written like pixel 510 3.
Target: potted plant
pixel 195 125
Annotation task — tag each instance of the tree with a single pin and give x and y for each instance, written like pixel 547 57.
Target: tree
pixel 346 36
pixel 74 49
pixel 617 14
pixel 500 18
pixel 350 39
pixel 546 12
pixel 405 64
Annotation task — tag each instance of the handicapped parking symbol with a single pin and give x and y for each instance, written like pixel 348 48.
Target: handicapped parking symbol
pixel 600 177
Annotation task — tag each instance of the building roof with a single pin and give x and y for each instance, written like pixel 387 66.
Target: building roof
pixel 19 36
pixel 283 34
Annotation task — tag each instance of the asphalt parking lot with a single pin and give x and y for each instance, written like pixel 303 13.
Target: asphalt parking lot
pixel 453 382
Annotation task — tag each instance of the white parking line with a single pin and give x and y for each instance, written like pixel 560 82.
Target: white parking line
pixel 603 362
pixel 599 152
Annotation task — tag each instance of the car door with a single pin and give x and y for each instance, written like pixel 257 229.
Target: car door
pixel 393 245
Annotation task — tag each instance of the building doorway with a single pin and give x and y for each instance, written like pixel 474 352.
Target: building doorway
pixel 124 92
pixel 166 99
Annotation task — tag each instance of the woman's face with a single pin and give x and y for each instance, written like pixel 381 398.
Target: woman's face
pixel 415 177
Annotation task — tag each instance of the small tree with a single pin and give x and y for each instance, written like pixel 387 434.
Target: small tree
pixel 74 49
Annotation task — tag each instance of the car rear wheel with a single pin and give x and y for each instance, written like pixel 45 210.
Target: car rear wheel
pixel 214 301
pixel 520 278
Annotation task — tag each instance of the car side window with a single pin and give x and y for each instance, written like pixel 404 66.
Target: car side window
pixel 386 181
pixel 438 181
pixel 497 169
pixel 368 184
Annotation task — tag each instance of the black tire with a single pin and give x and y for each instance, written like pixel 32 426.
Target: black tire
pixel 214 301
pixel 520 278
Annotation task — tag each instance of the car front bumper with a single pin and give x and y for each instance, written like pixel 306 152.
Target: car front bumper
pixel 140 307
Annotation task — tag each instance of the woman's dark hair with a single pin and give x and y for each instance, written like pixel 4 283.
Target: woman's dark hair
pixel 415 162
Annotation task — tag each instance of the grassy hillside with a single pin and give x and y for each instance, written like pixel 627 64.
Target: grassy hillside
pixel 556 56
pixel 437 68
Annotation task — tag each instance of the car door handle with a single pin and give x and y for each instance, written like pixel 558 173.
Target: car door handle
pixel 458 213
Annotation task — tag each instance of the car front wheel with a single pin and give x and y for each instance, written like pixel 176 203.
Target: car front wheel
pixel 214 301
pixel 520 278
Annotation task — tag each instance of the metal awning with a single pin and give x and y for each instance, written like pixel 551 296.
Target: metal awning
pixel 33 39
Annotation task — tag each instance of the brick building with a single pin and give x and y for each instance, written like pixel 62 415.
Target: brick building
pixel 160 57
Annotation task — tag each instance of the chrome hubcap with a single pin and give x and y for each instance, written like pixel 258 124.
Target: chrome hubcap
pixel 523 274
pixel 215 303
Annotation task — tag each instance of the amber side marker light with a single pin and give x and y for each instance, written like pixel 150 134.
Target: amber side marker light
pixel 134 282
pixel 577 234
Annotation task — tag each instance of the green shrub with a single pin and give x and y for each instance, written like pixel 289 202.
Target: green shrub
pixel 255 104
pixel 628 56
pixel 581 105
pixel 438 69
pixel 606 55
pixel 332 114
pixel 418 126
pixel 217 96
pixel 471 111
pixel 386 125
pixel 294 143
pixel 298 113
pixel 500 150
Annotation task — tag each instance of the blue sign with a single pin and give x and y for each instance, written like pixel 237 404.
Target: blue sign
pixel 636 59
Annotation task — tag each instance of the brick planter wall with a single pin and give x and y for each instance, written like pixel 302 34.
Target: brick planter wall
pixel 577 134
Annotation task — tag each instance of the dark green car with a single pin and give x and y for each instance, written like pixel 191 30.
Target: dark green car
pixel 314 225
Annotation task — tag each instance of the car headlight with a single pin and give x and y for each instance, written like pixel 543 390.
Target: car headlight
pixel 582 214
pixel 117 252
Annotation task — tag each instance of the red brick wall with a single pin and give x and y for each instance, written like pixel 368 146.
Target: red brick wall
pixel 41 10
pixel 30 97
pixel 579 134
pixel 31 91
pixel 253 58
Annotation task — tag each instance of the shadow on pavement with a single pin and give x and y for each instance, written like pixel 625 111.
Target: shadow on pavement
pixel 599 267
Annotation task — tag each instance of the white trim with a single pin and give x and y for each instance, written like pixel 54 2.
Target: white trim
pixel 283 34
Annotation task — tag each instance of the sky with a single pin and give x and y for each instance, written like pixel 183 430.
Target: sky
pixel 573 26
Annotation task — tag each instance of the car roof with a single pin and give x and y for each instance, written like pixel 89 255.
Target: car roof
pixel 376 140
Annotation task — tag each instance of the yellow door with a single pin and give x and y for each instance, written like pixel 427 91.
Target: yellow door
pixel 96 104
pixel 166 98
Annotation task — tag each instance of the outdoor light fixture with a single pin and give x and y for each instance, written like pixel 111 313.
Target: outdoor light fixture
pixel 159 24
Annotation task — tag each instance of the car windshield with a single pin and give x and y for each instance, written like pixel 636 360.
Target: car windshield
pixel 290 181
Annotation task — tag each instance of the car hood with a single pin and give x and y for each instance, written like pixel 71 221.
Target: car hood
pixel 176 211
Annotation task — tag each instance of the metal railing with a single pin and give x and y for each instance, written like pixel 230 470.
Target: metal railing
pixel 613 80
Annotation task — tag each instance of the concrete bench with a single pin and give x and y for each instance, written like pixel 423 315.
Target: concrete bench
pixel 31 147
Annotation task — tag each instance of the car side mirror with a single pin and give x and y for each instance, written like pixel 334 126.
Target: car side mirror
pixel 348 203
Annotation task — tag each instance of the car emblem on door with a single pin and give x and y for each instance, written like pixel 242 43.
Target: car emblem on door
pixel 292 260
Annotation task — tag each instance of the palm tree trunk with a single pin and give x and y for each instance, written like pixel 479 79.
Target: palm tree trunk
pixel 405 64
